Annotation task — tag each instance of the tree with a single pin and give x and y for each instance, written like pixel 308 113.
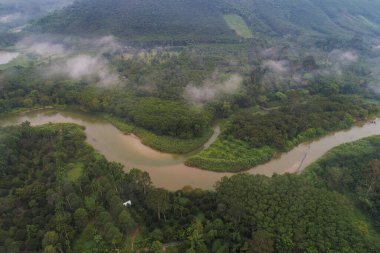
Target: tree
pixel 158 201
pixel 90 204
pixel 261 242
pixel 49 249
pixel 50 238
pixel 81 218
pixel 194 235
pixel 112 234
pixel 126 221
pixel 373 175
pixel 157 235
pixel 139 180
pixel 156 247
pixel 309 63
pixel 73 201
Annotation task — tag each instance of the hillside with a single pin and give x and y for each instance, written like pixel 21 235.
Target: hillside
pixel 144 20
pixel 313 17
pixel 199 20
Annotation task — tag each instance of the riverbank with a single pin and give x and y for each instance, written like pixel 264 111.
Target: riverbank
pixel 351 169
pixel 160 143
pixel 169 171
pixel 232 154
pixel 238 156
pixel 165 144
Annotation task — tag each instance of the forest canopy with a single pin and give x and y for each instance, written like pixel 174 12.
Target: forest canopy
pixel 64 196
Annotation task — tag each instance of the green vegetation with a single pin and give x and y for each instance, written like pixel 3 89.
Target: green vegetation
pixel 75 171
pixel 58 195
pixel 253 138
pixel 169 118
pixel 162 143
pixel 230 154
pixel 53 209
pixel 245 213
pixel 352 169
pixel 202 21
pixel 236 23
pixel 85 241
pixel 19 61
pixel 311 17
pixel 167 20
pixel 167 125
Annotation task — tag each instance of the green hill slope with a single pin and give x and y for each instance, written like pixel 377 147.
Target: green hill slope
pixel 200 20
pixel 328 17
pixel 142 19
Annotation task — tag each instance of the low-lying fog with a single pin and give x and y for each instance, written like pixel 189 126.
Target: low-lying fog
pixel 6 57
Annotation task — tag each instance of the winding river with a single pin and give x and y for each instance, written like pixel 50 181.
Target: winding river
pixel 167 170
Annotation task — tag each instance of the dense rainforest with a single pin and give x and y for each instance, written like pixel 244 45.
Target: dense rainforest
pixel 58 194
pixel 268 74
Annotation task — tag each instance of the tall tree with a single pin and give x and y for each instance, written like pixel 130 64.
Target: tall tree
pixel 158 201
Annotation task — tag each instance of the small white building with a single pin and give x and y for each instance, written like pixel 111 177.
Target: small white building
pixel 128 203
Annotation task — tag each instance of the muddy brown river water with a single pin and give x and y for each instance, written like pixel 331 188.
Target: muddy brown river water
pixel 168 170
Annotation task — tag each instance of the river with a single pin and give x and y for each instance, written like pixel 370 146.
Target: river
pixel 168 170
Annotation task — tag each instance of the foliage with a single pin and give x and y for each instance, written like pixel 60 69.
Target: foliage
pixel 52 209
pixel 284 128
pixel 281 206
pixel 169 118
pixel 244 213
pixel 180 129
pixel 167 20
pixel 230 154
pixel 352 169
pixel 75 172
pixel 202 21
pixel 253 138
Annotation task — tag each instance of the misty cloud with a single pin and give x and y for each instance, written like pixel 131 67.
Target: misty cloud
pixel 40 48
pixel 277 72
pixel 10 18
pixel 212 89
pixel 74 57
pixel 276 66
pixel 46 46
pixel 85 67
pixel 376 47
pixel 284 65
pixel 107 44
pixel 338 60
pixel 6 57
pixel 343 57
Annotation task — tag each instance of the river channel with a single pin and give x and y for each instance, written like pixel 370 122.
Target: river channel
pixel 168 170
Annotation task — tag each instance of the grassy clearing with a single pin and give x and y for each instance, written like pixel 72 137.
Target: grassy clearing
pixel 236 23
pixel 75 171
pixel 232 155
pixel 162 143
pixel 229 154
